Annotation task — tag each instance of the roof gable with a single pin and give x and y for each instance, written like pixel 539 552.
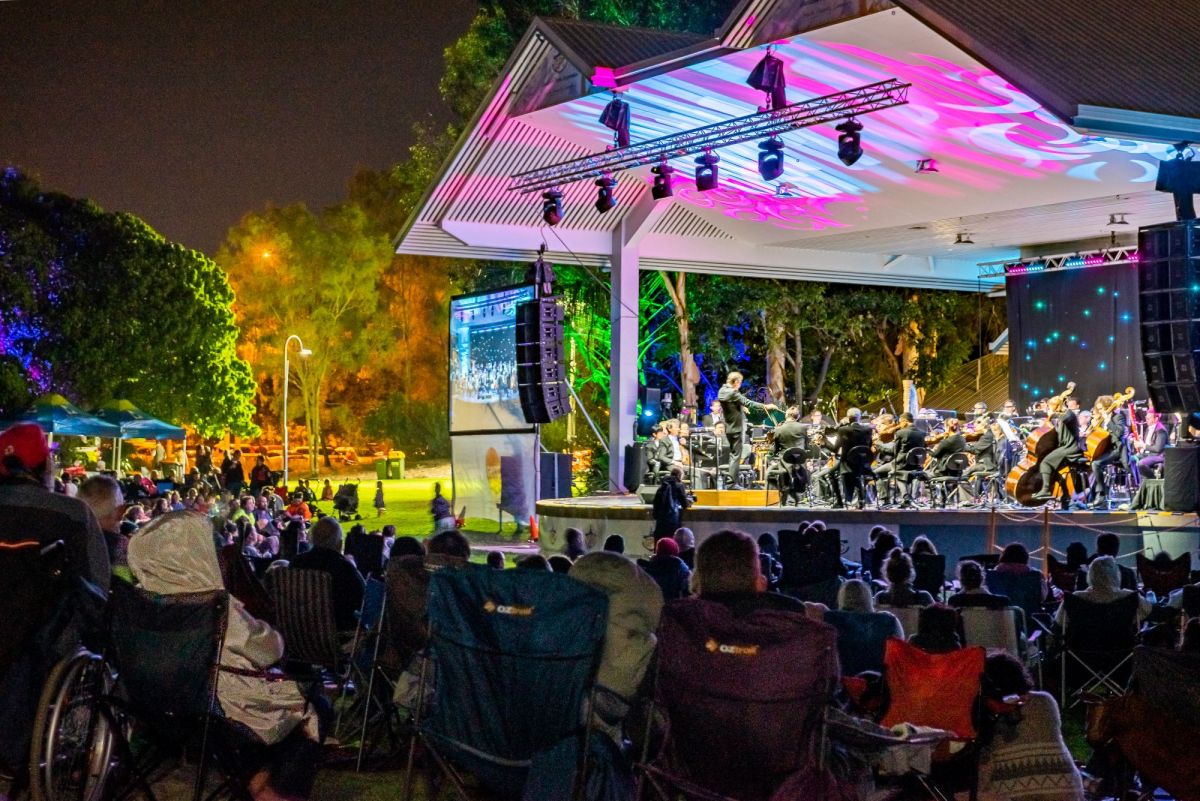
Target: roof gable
pixel 614 46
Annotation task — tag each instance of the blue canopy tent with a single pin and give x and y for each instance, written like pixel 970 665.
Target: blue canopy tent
pixel 133 423
pixel 57 415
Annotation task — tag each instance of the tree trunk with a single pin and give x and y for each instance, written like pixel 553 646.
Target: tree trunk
pixel 689 373
pixel 826 358
pixel 776 359
pixel 798 364
pixel 890 358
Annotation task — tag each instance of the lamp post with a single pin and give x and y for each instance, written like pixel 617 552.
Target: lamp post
pixel 287 380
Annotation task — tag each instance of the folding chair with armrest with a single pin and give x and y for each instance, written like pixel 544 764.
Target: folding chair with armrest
pixel 812 564
pixel 1162 580
pixel 744 700
pixel 514 654
pixel 1097 646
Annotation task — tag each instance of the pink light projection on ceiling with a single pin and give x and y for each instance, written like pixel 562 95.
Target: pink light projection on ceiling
pixel 983 132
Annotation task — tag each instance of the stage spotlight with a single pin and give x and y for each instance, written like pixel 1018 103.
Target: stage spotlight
pixel 604 197
pixel 770 158
pixel 552 207
pixel 768 76
pixel 616 118
pixel 849 141
pixel 662 181
pixel 706 171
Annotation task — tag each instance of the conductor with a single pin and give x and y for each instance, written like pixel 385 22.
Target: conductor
pixel 733 408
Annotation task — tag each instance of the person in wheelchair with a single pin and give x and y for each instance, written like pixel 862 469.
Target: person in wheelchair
pixel 44 622
pixel 274 724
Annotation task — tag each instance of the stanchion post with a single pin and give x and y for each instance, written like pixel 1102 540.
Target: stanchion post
pixel 1046 542
pixel 991 532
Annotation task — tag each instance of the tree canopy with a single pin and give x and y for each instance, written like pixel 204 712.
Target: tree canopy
pixel 98 306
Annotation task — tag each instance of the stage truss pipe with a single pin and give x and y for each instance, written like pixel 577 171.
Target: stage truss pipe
pixel 839 105
pixel 588 417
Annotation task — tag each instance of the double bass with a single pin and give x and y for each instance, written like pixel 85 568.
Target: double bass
pixel 1098 441
pixel 1024 480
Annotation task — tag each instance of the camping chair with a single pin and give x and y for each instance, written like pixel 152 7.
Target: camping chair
pixel 1063 576
pixel 164 650
pixel 1097 641
pixel 907 615
pixel 304 616
pixel 743 698
pixel 364 667
pixel 812 564
pixel 515 654
pixel 941 691
pixel 987 560
pixel 240 579
pixel 31 582
pixel 1003 629
pixel 930 569
pixel 1024 590
pixel 1191 601
pixel 861 639
pixel 1162 580
pixel 367 550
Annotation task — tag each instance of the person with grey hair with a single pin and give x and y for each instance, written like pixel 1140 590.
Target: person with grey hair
pixel 686 541
pixel 1104 586
pixel 326 556
pixel 850 436
pixel 102 493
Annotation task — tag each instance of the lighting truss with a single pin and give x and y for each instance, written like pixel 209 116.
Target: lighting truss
pixel 863 100
pixel 1104 257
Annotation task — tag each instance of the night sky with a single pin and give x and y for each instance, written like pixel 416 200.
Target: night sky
pixel 190 114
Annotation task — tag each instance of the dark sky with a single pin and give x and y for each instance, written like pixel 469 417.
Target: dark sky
pixel 191 113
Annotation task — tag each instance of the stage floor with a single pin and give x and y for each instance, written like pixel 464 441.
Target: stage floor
pixel 956 532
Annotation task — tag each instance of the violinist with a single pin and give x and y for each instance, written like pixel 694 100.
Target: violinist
pixel 1156 443
pixel 951 442
pixel 908 438
pixel 1112 419
pixel 984 450
pixel 1069 446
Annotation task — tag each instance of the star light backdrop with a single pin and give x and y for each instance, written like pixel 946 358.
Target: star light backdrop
pixel 1074 325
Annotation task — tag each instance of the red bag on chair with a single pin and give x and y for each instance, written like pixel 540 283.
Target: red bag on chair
pixel 936 690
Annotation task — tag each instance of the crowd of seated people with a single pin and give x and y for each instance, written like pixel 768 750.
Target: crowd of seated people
pixel 177 548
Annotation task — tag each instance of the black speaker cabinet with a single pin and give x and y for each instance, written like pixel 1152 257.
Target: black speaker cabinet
pixel 1169 301
pixel 1181 479
pixel 635 466
pixel 541 371
pixel 555 475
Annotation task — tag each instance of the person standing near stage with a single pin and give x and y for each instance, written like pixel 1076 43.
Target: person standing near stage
pixel 670 501
pixel 733 408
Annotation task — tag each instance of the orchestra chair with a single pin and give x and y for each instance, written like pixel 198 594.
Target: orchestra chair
pixel 1164 579
pixel 913 468
pixel 858 459
pixel 942 486
pixel 796 471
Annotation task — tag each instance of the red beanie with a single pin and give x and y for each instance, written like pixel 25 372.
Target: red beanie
pixel 24 443
pixel 666 546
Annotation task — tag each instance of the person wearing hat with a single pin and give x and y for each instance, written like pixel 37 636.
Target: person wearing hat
pixel 668 570
pixel 30 513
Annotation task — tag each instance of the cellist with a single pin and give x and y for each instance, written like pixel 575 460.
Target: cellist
pixel 1069 444
pixel 1115 422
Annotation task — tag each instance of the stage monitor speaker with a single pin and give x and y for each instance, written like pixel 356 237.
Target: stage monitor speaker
pixel 1169 301
pixel 646 493
pixel 1181 479
pixel 555 475
pixel 636 461
pixel 541 367
pixel 650 399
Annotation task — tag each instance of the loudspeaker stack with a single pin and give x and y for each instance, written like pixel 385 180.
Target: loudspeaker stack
pixel 541 367
pixel 1169 284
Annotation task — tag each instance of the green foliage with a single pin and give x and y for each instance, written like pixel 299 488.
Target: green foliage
pixel 418 429
pixel 100 307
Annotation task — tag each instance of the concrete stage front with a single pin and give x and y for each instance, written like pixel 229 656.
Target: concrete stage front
pixel 955 532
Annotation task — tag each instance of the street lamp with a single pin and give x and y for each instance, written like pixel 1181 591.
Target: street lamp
pixel 304 352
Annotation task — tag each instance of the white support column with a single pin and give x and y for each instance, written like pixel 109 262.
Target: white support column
pixel 623 375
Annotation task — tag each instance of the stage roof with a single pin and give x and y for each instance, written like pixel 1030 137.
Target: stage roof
pixel 995 90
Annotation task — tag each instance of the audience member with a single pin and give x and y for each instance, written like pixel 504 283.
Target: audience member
pixel 174 555
pixel 768 555
pixel 922 545
pixel 670 501
pixel 937 629
pixel 450 543
pixel 495 560
pixel 614 543
pixel 406 546
pixel 898 570
pixel 1109 544
pixel 1014 559
pixel 728 571
pixel 686 541
pixel 559 563
pixel 534 562
pixel 574 545
pixel 668 570
pixel 441 511
pixel 974 592
pixel 1104 586
pixel 102 494
pixel 326 556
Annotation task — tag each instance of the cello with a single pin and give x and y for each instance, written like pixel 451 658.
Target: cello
pixel 1024 480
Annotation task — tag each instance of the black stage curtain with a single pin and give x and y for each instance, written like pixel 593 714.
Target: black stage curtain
pixel 1074 325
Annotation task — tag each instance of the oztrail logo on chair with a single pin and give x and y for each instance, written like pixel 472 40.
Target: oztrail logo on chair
pixel 712 646
pixel 493 608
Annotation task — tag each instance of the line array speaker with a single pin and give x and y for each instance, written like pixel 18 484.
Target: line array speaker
pixel 541 368
pixel 1169 300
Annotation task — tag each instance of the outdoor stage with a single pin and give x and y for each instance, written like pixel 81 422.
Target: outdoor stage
pixel 955 532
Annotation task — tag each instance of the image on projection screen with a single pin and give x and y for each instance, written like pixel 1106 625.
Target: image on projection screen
pixel 483 361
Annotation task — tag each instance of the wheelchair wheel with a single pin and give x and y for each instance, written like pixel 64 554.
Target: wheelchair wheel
pixel 72 749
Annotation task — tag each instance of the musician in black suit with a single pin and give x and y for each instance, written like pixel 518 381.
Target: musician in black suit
pixel 1156 443
pixel 850 436
pixel 733 408
pixel 1117 425
pixel 714 416
pixel 1070 448
pixel 908 439
pixel 953 442
pixel 791 433
pixel 984 450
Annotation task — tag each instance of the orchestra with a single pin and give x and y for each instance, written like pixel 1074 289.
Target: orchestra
pixel 1054 453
